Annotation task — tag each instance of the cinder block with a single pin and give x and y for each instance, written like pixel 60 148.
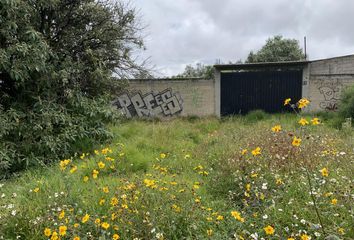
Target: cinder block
pixel 195 96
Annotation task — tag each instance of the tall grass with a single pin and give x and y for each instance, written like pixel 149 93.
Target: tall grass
pixel 181 179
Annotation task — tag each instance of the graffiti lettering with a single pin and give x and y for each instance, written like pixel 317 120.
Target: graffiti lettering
pixel 149 105
pixel 331 91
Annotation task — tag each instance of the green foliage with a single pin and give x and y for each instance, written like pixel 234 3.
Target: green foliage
pixel 197 71
pixel 256 115
pixel 277 49
pixel 346 107
pixel 268 189
pixel 49 132
pixel 60 62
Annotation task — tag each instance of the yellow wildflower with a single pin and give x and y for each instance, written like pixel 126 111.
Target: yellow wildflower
pixel 97 221
pixel 279 181
pixel 62 230
pixel 210 232
pixel 47 232
pixel 219 218
pixel 102 201
pixel 105 189
pixel 73 169
pixel 244 151
pixel 324 172
pixel 113 216
pixel 54 236
pixel 76 238
pixel 203 173
pixel 328 194
pixel 262 197
pixel 303 102
pixel 101 165
pixel 105 225
pixel 114 201
pixel 76 225
pixel 162 155
pixel 124 206
pixel 237 216
pixel 176 208
pixel 254 175
pixel 36 190
pixel 62 214
pixel 334 201
pixel 305 237
pixel 276 128
pixel 341 231
pixel 64 163
pixel 256 151
pixel 287 101
pixel 115 236
pixel 303 122
pixel 106 150
pixel 95 173
pixel 269 230
pixel 85 218
pixel 86 178
pixel 150 183
pixel 315 121
pixel 296 141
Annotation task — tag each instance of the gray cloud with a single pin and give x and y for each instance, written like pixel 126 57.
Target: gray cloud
pixel 189 31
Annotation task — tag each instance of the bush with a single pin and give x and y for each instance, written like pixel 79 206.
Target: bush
pixel 60 62
pixel 256 115
pixel 346 107
pixel 50 132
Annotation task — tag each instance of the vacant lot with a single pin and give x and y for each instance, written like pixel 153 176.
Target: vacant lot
pixel 235 178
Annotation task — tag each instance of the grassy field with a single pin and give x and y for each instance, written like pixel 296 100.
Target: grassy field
pixel 235 178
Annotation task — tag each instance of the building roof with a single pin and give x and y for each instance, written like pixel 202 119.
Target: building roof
pixel 245 66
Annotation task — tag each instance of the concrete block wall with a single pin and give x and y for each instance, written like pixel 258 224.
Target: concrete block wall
pixel 169 97
pixel 328 79
pixel 323 83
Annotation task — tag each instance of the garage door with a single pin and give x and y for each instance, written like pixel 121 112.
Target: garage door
pixel 242 92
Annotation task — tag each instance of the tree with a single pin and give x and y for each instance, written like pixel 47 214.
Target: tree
pixel 197 71
pixel 60 61
pixel 277 49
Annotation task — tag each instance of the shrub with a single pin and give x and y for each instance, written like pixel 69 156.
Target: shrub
pixel 50 131
pixel 256 115
pixel 346 107
pixel 59 66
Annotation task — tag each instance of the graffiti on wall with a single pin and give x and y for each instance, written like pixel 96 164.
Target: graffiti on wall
pixel 331 92
pixel 151 104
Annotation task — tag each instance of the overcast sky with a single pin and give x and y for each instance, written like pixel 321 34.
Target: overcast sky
pixel 181 32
